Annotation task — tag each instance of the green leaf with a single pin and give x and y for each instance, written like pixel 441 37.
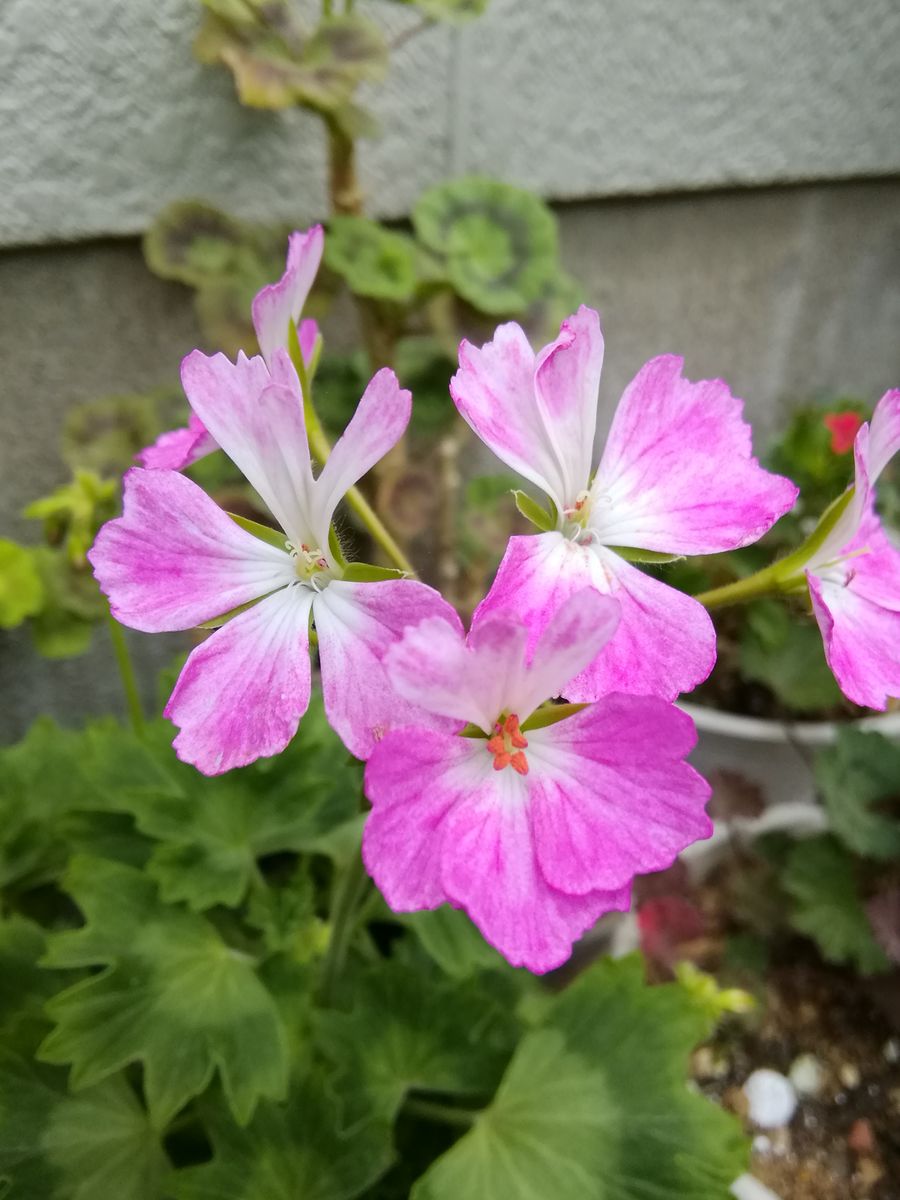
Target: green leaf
pixel 454 943
pixel 819 876
pixel 74 512
pixel 636 555
pixel 498 243
pixel 212 830
pixel 21 589
pixel 289 1151
pixel 595 1104
pixel 88 1147
pixel 857 777
pixel 24 986
pixel 173 996
pixel 533 512
pixel 193 242
pixel 375 262
pixel 105 434
pixel 409 1031
pixel 276 65
pixel 784 652
pixel 272 537
pixel 358 572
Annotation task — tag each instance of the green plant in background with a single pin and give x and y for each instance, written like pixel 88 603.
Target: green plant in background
pixel 173 1025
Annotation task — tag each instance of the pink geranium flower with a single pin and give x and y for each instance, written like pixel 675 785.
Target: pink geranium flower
pixel 676 477
pixel 535 832
pixel 854 576
pixel 174 560
pixel 274 309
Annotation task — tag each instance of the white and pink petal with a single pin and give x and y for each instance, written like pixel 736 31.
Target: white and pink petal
pixel 242 692
pixel 178 448
pixel 174 559
pixel 357 624
pixel 677 474
pixel 610 796
pixel 280 304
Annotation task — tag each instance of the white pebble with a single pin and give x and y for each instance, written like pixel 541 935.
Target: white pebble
pixel 771 1099
pixel 807 1075
pixel 747 1187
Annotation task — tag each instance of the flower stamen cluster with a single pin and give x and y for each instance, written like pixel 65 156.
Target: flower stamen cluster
pixel 507 745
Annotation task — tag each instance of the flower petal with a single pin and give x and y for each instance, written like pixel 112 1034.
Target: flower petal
pixel 489 867
pixel 445 825
pixel 677 475
pixel 174 559
pixel 243 691
pixel 664 643
pixel 884 433
pixel 610 794
pixel 494 390
pixel 279 304
pixel 377 425
pixel 403 834
pixel 257 419
pixel 567 384
pixel 357 623
pixel 178 448
pixel 857 605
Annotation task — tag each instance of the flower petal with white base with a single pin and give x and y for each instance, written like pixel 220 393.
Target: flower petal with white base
pixel 677 477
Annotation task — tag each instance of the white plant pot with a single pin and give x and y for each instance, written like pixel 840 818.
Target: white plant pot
pixel 775 755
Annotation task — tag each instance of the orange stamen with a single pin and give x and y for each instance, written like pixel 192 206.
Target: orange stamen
pixel 507 740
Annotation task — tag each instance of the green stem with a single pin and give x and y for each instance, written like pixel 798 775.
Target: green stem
pixel 445 1113
pixel 349 891
pixel 126 671
pixel 768 582
pixel 320 449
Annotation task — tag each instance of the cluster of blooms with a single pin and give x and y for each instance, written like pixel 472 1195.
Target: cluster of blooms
pixel 533 817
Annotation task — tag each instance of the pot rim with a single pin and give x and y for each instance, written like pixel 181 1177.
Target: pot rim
pixel 807 733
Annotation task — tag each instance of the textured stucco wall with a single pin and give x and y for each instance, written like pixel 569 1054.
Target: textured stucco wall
pixel 105 117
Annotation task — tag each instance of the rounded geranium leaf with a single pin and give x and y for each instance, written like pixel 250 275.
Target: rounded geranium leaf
pixel 374 261
pixel 499 243
pixel 192 242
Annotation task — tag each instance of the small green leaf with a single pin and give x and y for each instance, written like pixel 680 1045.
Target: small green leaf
pixel 88 1147
pixel 374 261
pixel 358 572
pixel 173 996
pixel 273 537
pixel 859 780
pixel 785 569
pixel 105 434
pixel 819 876
pixel 21 589
pixel 290 1151
pixel 636 555
pixel 595 1104
pixel 193 242
pixel 533 512
pixel 498 243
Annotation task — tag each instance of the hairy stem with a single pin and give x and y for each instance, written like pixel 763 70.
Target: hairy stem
pixel 126 671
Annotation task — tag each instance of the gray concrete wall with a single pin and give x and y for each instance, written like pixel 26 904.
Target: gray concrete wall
pixel 105 116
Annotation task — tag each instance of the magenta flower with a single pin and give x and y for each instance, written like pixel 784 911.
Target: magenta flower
pixel 535 832
pixel 175 560
pixel 854 576
pixel 676 477
pixel 274 309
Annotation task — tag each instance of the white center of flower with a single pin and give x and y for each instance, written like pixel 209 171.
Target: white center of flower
pixel 576 517
pixel 312 567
